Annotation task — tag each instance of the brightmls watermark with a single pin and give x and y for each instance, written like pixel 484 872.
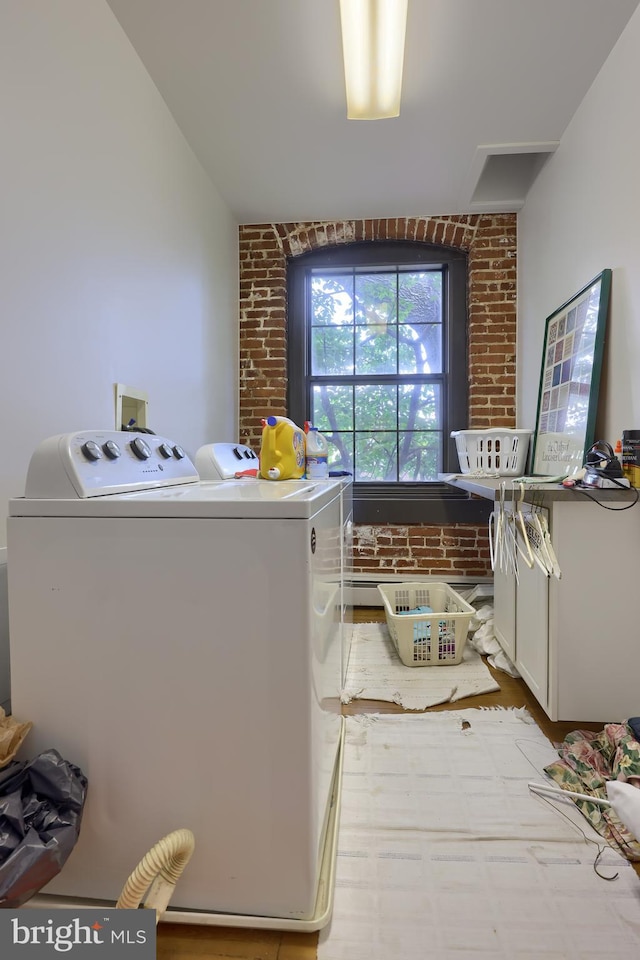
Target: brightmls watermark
pixel 83 934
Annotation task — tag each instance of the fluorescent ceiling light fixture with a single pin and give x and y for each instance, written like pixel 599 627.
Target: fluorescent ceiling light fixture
pixel 373 36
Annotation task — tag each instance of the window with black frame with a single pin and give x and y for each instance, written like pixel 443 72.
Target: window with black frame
pixel 377 336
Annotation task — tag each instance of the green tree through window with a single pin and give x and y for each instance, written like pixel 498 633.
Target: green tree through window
pixel 384 332
pixel 377 360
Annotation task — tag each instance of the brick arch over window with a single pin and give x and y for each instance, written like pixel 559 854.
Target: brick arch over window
pixel 490 243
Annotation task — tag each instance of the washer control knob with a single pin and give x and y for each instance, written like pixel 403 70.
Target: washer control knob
pixel 165 451
pixel 111 449
pixel 91 450
pixel 140 448
pixel 178 452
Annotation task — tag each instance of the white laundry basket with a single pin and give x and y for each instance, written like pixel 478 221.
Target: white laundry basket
pixel 496 450
pixel 426 638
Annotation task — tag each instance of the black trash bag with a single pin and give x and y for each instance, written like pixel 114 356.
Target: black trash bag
pixel 41 804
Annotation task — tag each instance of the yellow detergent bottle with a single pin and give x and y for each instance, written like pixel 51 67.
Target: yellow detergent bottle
pixel 282 450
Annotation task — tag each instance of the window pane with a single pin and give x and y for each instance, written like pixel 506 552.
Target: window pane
pixel 419 407
pixel 376 350
pixel 331 351
pixel 340 451
pixel 420 296
pixel 419 456
pixel 375 317
pixel 420 348
pixel 376 298
pixel 376 407
pixel 376 457
pixel 332 408
pixel 331 299
pixel 420 318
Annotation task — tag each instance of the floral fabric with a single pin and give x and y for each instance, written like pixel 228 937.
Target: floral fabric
pixel 587 761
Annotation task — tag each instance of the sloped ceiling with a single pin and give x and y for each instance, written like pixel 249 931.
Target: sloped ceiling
pixel 257 88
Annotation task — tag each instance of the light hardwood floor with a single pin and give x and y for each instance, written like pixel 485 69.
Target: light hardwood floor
pixel 182 942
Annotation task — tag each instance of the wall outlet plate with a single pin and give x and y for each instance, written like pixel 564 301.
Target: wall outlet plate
pixel 131 405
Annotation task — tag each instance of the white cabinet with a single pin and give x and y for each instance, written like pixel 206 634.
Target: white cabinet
pixel 575 640
pixel 531 645
pixel 504 613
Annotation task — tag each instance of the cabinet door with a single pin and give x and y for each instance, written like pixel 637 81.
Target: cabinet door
pixel 504 611
pixel 5 691
pixel 347 591
pixel 532 630
pixel 347 575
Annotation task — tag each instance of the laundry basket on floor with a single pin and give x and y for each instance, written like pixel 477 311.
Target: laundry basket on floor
pixel 428 622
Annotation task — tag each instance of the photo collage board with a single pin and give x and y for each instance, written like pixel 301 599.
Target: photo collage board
pixel 571 365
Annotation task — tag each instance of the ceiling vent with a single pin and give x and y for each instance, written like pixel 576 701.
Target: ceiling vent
pixel 501 175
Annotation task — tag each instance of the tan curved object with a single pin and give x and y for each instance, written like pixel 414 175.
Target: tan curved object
pixel 158 872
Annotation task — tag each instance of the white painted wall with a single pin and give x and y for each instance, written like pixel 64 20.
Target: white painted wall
pixel 580 217
pixel 118 258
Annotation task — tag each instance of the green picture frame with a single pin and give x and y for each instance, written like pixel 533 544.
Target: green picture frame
pixel 570 380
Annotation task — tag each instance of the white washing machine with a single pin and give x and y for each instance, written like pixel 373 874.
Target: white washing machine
pixel 227 461
pixel 180 642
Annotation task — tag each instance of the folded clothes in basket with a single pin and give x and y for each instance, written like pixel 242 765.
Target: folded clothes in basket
pixel 422 628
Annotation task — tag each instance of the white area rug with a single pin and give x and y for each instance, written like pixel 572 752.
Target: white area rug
pixel 444 853
pixel 376 672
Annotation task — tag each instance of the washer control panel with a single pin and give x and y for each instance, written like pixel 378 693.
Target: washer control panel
pixel 222 461
pixel 95 463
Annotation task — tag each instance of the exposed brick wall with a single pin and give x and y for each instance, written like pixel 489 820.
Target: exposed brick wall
pixel 490 242
pixel 450 551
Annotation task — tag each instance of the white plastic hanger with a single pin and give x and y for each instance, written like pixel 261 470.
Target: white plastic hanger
pixel 548 789
pixel 540 554
pixel 518 518
pixel 544 554
pixel 496 532
pixel 493 540
pixel 548 546
pixel 507 555
pixel 624 800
